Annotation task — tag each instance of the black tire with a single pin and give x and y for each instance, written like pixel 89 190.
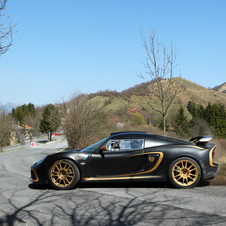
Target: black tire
pixel 63 174
pixel 184 173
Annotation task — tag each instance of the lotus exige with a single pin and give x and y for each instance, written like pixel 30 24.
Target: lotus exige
pixel 130 156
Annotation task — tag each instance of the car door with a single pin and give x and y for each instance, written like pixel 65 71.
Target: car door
pixel 122 157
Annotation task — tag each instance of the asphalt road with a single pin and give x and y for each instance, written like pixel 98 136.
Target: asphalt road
pixel 22 203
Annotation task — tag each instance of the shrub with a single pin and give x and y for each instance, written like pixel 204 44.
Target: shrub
pixel 137 119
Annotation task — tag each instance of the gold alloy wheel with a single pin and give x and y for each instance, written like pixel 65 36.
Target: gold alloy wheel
pixel 62 174
pixel 185 173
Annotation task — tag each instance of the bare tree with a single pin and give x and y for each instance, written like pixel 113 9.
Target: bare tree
pixel 7 28
pixel 160 66
pixel 5 128
pixel 84 122
pixel 34 122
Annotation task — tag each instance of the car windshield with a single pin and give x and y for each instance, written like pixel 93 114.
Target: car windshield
pixel 95 146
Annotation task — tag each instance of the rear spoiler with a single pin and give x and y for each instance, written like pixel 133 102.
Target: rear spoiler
pixel 202 140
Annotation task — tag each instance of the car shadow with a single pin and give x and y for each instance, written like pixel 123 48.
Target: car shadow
pixel 203 184
pixel 118 185
pixel 107 185
pixel 124 185
pixel 135 185
pixel 40 186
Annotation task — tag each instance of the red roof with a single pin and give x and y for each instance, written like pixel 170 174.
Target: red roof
pixel 27 127
pixel 132 111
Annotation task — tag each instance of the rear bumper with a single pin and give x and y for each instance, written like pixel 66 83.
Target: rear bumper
pixel 212 172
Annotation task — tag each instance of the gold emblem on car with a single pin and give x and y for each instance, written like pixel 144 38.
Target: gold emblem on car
pixel 151 159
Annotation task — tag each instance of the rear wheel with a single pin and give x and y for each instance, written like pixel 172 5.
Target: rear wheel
pixel 184 172
pixel 63 174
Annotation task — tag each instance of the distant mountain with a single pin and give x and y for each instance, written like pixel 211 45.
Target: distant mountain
pixel 220 88
pixel 9 106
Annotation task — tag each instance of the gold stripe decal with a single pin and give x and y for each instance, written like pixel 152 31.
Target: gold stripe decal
pixel 156 165
pixel 194 140
pixel 211 156
pixel 119 178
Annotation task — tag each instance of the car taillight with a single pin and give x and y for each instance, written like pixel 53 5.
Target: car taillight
pixel 213 153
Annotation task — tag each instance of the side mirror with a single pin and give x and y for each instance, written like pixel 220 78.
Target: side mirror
pixel 104 148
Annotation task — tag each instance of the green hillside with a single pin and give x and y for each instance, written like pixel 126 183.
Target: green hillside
pixel 139 96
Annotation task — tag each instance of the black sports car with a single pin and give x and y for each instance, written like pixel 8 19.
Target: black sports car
pixel 131 156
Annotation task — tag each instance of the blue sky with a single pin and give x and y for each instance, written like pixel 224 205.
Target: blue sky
pixel 85 46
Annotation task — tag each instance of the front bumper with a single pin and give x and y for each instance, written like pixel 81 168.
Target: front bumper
pixel 34 177
pixel 38 174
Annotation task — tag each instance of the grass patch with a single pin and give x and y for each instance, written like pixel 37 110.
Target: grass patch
pixel 117 103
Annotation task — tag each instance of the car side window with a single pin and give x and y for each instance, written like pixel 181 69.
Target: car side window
pixel 125 145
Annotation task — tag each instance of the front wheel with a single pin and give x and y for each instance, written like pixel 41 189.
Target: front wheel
pixel 184 173
pixel 63 174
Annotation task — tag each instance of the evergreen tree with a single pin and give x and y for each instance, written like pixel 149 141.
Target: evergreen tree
pixel 181 124
pixel 208 113
pixel 213 115
pixel 50 119
pixel 197 124
pixel 190 103
pixel 13 112
pixel 193 110
pixel 18 115
pixel 31 109
pixel 194 122
pixel 218 120
pixel 200 111
pixel 21 112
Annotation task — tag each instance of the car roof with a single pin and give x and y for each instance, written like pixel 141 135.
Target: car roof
pixel 155 140
pixel 129 132
pixel 128 135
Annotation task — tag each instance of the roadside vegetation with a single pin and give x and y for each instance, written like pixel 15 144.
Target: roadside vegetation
pixel 85 119
pixel 220 157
